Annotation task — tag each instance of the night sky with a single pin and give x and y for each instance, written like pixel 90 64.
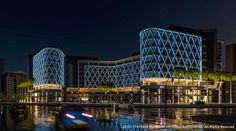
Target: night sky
pixel 105 28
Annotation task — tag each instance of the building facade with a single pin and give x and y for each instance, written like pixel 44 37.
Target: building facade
pixel 74 72
pixel 218 56
pixel 164 50
pixel 161 51
pixel 230 58
pixel 49 74
pixel 121 73
pixel 210 46
pixel 211 51
pixel 11 79
pixel 230 67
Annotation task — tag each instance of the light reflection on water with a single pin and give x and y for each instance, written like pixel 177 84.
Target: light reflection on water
pixel 42 118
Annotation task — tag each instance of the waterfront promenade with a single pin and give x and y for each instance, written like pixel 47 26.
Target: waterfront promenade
pixel 136 105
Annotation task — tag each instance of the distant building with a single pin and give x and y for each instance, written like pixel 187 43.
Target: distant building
pixel 209 44
pixel 230 67
pixel 11 79
pixel 30 64
pixel 74 72
pixel 218 56
pixel 230 58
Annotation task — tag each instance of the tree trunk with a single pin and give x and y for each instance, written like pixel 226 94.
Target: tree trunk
pixel 192 90
pixel 219 96
pixel 207 93
pixel 230 90
pixel 178 91
pixel 101 97
pixel 110 97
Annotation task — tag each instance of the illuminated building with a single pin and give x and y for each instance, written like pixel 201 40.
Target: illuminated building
pixel 121 73
pixel 210 44
pixel 211 51
pixel 161 51
pixel 48 72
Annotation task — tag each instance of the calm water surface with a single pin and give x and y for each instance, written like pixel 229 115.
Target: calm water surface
pixel 42 118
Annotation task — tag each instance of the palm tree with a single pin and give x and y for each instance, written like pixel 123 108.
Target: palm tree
pixel 105 87
pixel 213 76
pixel 193 74
pixel 205 77
pixel 220 76
pixel 231 91
pixel 229 79
pixel 26 85
pixel 223 77
pixel 179 72
pixel 101 89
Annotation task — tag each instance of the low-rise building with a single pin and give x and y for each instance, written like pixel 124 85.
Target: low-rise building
pixel 11 79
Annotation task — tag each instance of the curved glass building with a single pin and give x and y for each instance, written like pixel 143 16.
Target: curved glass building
pixel 48 67
pixel 48 70
pixel 162 50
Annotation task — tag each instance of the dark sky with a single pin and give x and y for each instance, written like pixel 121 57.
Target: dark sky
pixel 105 28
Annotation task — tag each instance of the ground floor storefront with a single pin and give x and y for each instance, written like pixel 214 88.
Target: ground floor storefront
pixel 93 95
pixel 145 94
pixel 173 94
pixel 47 96
pixel 149 94
pixel 47 93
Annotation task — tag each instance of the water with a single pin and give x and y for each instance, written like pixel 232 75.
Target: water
pixel 42 118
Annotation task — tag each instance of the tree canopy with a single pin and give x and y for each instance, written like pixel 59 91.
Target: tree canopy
pixel 27 83
pixel 105 86
pixel 179 72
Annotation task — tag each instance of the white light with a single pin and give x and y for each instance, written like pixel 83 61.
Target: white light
pixel 87 115
pixel 70 116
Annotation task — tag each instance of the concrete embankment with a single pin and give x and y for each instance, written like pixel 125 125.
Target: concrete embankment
pixel 64 103
pixel 136 105
pixel 184 106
